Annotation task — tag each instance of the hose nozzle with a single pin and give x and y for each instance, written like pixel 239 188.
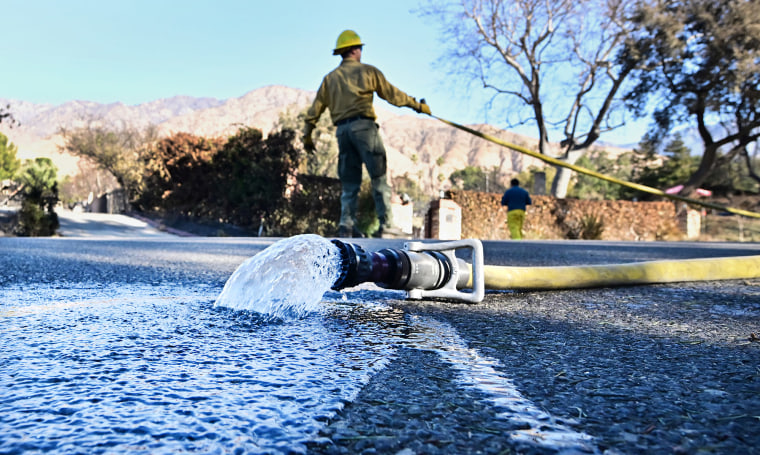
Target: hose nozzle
pixel 423 270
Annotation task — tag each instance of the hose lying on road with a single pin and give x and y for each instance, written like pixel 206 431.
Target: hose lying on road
pixel 428 270
pixel 574 277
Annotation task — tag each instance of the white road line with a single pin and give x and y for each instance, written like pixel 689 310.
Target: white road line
pixel 478 372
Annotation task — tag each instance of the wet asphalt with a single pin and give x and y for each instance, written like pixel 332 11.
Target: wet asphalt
pixel 666 368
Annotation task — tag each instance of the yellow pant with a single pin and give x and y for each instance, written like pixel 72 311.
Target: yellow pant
pixel 515 220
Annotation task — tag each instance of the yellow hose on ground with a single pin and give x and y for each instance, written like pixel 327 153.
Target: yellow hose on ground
pixel 589 276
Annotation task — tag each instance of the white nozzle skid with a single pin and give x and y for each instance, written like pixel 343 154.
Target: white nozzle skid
pixel 459 273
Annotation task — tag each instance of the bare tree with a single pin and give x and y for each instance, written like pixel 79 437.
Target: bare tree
pixel 118 151
pixel 554 61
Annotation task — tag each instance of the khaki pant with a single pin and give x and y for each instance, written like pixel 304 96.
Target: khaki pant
pixel 515 220
pixel 359 143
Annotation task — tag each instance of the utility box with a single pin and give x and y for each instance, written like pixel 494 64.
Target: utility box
pixel 444 220
pixel 403 216
pixel 690 222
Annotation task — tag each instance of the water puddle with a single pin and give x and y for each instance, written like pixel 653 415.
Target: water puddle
pixel 174 374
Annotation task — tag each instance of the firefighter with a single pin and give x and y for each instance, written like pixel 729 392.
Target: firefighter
pixel 348 92
pixel 516 199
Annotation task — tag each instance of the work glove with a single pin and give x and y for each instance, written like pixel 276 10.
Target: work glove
pixel 308 143
pixel 423 108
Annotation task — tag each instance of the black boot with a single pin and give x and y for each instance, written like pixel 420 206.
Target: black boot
pixel 356 233
pixel 388 232
pixel 344 232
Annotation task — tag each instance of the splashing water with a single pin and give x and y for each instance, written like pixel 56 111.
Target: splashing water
pixel 287 279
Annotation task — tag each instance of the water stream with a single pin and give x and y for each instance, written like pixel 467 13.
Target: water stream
pixel 259 367
pixel 286 280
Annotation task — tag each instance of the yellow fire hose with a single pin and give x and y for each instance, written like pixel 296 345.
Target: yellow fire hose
pixel 581 170
pixel 590 276
pixel 428 270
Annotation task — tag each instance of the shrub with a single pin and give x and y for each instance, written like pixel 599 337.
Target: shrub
pixel 240 181
pixel 590 226
pixel 34 221
pixel 313 206
pixel 37 216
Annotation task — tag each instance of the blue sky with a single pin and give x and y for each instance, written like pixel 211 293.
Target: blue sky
pixel 135 51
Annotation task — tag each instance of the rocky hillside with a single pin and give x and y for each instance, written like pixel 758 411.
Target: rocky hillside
pixel 425 149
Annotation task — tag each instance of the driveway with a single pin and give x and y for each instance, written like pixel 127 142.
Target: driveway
pixel 105 225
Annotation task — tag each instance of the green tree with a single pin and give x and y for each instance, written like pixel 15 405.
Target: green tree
pixel 676 166
pixel 37 215
pixel 552 61
pixel 471 178
pixel 9 164
pixel 699 63
pixel 116 150
pixel 588 187
pixel 474 178
pixel 734 176
pixel 39 177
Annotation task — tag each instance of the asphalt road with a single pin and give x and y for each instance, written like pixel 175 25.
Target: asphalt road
pixel 671 368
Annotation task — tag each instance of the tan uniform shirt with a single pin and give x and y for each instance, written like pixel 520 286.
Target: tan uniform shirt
pixel 347 91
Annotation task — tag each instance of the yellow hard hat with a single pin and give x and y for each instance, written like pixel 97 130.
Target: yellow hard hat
pixel 347 38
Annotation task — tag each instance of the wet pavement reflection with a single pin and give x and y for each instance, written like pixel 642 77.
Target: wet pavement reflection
pixel 157 370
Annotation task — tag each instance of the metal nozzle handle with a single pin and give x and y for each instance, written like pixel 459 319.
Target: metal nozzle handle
pixel 449 290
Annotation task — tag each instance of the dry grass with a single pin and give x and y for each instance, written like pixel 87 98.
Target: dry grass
pixel 730 229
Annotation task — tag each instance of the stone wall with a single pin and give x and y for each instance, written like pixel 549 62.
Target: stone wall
pixel 483 217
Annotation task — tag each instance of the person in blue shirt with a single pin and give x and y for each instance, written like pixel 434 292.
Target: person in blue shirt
pixel 516 199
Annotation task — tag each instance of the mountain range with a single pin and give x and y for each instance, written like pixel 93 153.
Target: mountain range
pixel 421 147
